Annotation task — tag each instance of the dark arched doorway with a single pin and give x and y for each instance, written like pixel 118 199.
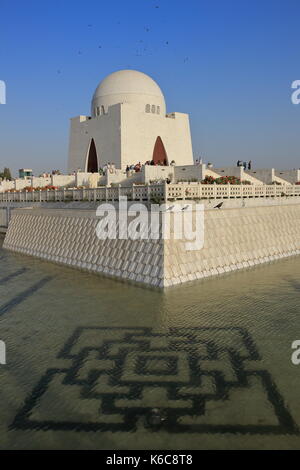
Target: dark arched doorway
pixel 159 153
pixel 92 161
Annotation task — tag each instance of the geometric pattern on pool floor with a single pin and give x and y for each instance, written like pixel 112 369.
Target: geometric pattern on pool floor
pixel 203 380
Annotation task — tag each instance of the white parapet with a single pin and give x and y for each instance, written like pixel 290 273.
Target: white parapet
pixel 292 176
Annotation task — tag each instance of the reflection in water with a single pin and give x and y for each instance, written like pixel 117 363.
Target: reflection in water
pixel 94 363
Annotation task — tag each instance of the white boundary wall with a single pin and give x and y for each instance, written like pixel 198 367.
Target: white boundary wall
pixel 234 239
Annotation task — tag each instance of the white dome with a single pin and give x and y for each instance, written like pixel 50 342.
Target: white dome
pixel 128 86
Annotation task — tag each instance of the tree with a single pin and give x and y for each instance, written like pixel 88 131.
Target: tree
pixel 6 174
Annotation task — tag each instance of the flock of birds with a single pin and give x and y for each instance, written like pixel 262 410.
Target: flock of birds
pixel 142 48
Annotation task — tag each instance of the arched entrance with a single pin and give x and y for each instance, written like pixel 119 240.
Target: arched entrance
pixel 159 153
pixel 92 160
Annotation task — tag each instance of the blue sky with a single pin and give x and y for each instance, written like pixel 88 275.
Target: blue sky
pixel 228 63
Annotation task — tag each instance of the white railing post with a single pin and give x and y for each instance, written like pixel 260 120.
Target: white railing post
pixel 165 189
pixel 148 192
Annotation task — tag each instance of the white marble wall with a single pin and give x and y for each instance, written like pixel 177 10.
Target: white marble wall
pixel 69 237
pixel 235 238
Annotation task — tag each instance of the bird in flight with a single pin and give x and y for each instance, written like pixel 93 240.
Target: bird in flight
pixel 218 206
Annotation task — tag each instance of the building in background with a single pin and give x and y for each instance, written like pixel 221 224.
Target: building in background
pixel 25 172
pixel 129 124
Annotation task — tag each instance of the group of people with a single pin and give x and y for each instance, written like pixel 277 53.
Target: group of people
pixel 159 163
pixel 138 166
pixel 244 164
pixel 108 168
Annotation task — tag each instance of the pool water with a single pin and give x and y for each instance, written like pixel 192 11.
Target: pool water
pixel 89 358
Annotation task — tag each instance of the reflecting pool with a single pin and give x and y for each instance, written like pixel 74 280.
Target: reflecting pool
pixel 89 358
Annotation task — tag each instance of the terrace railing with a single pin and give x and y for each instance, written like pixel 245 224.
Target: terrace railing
pixel 154 193
pixel 229 191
